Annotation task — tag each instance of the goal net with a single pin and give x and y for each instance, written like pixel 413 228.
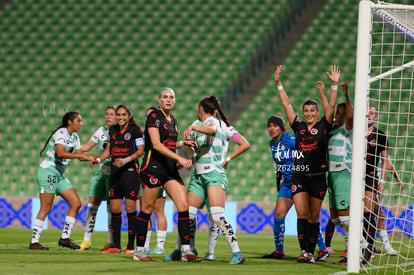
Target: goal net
pixel 384 96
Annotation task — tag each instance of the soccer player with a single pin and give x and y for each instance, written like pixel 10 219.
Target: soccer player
pixel 160 169
pixel 100 184
pixel 310 162
pixel 126 145
pixel 212 133
pixel 62 145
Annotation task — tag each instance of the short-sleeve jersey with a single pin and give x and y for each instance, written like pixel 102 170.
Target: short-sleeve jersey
pixel 212 149
pixel 283 155
pixel 62 137
pixel 168 131
pixel 311 146
pixel 376 143
pixel 340 149
pixel 100 137
pixel 124 144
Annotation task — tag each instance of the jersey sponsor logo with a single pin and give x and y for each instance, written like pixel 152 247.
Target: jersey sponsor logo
pixel 127 136
pixel 103 137
pixel 165 126
pixel 302 132
pixel 132 193
pixel 114 136
pixel 117 151
pixel 322 193
pixel 314 131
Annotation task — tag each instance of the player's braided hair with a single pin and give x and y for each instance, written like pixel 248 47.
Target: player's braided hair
pixel 211 104
pixel 65 122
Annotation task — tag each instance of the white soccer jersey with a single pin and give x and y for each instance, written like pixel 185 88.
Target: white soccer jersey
pixel 101 137
pixel 212 149
pixel 71 143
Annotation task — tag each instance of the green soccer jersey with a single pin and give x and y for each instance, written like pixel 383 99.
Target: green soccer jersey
pixel 340 149
pixel 62 137
pixel 212 149
pixel 100 137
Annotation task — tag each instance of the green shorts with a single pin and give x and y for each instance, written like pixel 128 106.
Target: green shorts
pixel 51 181
pixel 199 184
pixel 339 188
pixel 100 186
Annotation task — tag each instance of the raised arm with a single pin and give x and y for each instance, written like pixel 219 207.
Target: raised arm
pixel 334 77
pixel 284 99
pixel 321 88
pixel 349 119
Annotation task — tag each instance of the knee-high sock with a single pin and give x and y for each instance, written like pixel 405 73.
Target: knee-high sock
pixel 132 225
pixel 213 233
pixel 67 228
pixel 370 226
pixel 161 236
pixel 116 228
pixel 344 220
pixel 192 211
pixel 329 231
pixel 148 239
pixel 110 236
pixel 314 229
pixel 302 228
pixel 184 229
pixel 37 230
pixel 218 216
pixel 142 227
pixel 90 220
pixel 279 233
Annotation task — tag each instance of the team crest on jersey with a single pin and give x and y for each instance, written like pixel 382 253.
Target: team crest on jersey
pixel 127 136
pixel 373 142
pixel 157 123
pixel 51 187
pixel 298 120
pixel 153 180
pixel 294 188
pixel 314 131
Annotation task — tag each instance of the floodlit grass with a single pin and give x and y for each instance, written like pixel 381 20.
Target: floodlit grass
pixel 16 258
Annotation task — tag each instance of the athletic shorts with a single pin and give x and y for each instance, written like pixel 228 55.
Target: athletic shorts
pixel 339 188
pixel 285 191
pixel 158 177
pixel 125 185
pixel 200 183
pixel 51 181
pixel 100 186
pixel 314 185
pixel 371 184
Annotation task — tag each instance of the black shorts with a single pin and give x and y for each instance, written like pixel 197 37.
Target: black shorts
pixel 371 183
pixel 125 185
pixel 314 185
pixel 158 177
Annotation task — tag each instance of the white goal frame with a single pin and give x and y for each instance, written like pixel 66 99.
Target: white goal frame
pixel 362 85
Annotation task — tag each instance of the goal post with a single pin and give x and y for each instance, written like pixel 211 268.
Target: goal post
pixel 384 80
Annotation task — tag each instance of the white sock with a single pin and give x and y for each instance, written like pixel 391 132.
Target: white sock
pixel 344 222
pixel 384 237
pixel 192 211
pixel 161 236
pixel 218 216
pixel 108 211
pixel 213 233
pixel 148 239
pixel 67 228
pixel 37 230
pixel 90 221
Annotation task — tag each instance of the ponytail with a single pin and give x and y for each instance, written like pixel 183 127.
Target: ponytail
pixel 65 122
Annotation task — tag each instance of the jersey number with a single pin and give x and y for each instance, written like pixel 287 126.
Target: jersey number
pixel 51 179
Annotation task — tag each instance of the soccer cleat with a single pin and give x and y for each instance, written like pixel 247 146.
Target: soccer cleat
pixel 141 256
pixel 366 254
pixel 237 258
pixel 345 253
pixel 157 251
pixel 302 258
pixel 106 246
pixel 377 250
pixel 344 261
pixel 129 251
pixel 275 255
pixel 188 256
pixel 67 243
pixel 112 250
pixel 209 257
pixel 330 250
pixel 390 251
pixel 85 245
pixel 37 246
pixel 323 255
pixel 310 258
pixel 174 256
